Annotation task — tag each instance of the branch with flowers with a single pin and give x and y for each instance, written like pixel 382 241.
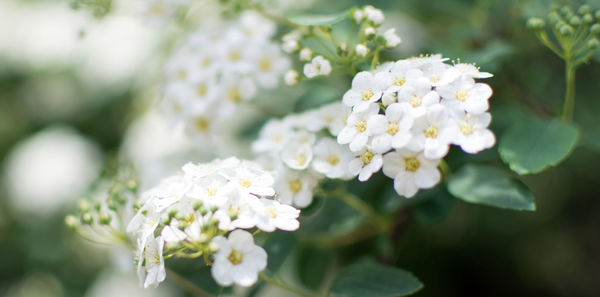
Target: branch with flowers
pixel 393 125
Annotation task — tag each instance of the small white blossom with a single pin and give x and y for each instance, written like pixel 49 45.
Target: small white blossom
pixel 471 97
pixel 272 215
pixel 290 42
pixel 305 54
pixel 358 15
pixel 361 50
pixel 411 171
pixel 374 15
pixel 295 187
pixel 369 31
pixel 318 66
pixel 154 263
pixel 366 89
pixel 238 260
pixel 331 158
pixel 291 77
pixel 433 132
pixel 355 132
pixel 391 130
pixel 391 38
pixel 473 135
pixel 365 164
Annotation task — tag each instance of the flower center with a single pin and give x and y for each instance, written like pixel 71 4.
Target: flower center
pixel 411 164
pixel 272 212
pixel 211 192
pixel 461 96
pixel 235 56
pixel 202 124
pixel 333 160
pixel 157 9
pixel 434 78
pixel 295 186
pixel 156 258
pixel 415 101
pixel 176 107
pixel 245 183
pixel 367 94
pixel 182 74
pixel 366 157
pixel 361 126
pixel 399 81
pixel 431 132
pixel 235 257
pixel 392 128
pixel 201 90
pixel 206 62
pixel 277 137
pixel 233 94
pixel 301 159
pixel 466 128
pixel 264 64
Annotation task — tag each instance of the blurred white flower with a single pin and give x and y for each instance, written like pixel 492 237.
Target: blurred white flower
pixel 238 260
pixel 114 284
pixel 50 168
pixel 318 66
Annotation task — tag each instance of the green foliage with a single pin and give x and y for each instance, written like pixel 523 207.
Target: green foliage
pixel 532 145
pixel 490 186
pixel 278 246
pixel 366 278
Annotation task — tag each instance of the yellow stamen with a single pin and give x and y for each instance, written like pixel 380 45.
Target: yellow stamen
pixel 392 128
pixel 366 157
pixel 361 126
pixel 235 257
pixel 431 132
pixel 411 164
pixel 367 94
pixel 466 128
pixel 333 160
pixel 461 96
pixel 295 185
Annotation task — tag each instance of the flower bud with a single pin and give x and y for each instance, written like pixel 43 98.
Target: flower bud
pixel 536 23
pixel 584 9
pixel 370 32
pixel 358 15
pixel 305 54
pixel 110 203
pixel 197 205
pixel 84 205
pixel 105 218
pixel 213 208
pixel 566 11
pixel 213 247
pixel 203 238
pixel 597 14
pixel 203 211
pixel 291 77
pixel 361 50
pixel 588 19
pixel 87 218
pixel 133 185
pixel 575 21
pixel 593 43
pixel 566 30
pixel 595 29
pixel 71 221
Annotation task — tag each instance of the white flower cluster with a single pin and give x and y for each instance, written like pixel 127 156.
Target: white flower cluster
pixel 160 12
pixel 216 70
pixel 300 150
pixel 191 213
pixel 406 114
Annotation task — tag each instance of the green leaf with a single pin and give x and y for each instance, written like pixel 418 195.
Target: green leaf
pixel 318 19
pixel 278 246
pixel 490 186
pixel 312 265
pixel 533 145
pixel 369 279
pixel 334 218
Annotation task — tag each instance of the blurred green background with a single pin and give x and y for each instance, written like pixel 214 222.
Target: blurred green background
pixel 51 83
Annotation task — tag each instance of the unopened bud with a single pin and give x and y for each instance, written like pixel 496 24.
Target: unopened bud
pixel 214 208
pixel 71 221
pixel 575 21
pixel 593 43
pixel 566 30
pixel 305 54
pixel 587 19
pixel 133 185
pixel 84 205
pixel 105 218
pixel 595 29
pixel 370 32
pixel 536 23
pixel 291 78
pixel 584 9
pixel 361 50
pixel 203 238
pixel 197 205
pixel 87 218
pixel 213 247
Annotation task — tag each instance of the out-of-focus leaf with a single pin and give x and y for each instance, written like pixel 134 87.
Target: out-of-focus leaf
pixel 532 145
pixel 334 218
pixel 436 208
pixel 490 186
pixel 279 245
pixel 318 19
pixel 369 279
pixel 312 266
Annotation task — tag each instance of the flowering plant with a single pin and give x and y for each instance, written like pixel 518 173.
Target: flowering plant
pixel 398 116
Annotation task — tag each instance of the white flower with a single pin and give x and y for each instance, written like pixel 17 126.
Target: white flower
pixel 465 71
pixel 355 132
pixel 369 31
pixel 433 132
pixel 295 187
pixel 212 191
pixel 331 158
pixel 471 97
pixel 473 135
pixel 391 130
pixel 334 116
pixel 297 155
pixel 235 89
pixel 238 260
pixel 361 50
pixel 365 164
pixel 154 264
pixel 374 15
pixel 411 171
pixel 391 38
pixel 144 223
pixel 366 89
pixel 291 77
pixel 270 65
pixel 251 179
pixel 305 54
pixel 358 15
pixel 255 26
pixel 237 212
pixel 273 136
pixel 290 42
pixel 318 66
pixel 419 95
pixel 271 215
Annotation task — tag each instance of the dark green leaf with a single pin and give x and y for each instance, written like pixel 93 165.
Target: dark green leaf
pixel 369 279
pixel 318 19
pixel 334 218
pixel 278 247
pixel 533 145
pixel 490 186
pixel 312 265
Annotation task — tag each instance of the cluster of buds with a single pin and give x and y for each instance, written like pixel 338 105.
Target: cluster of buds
pixel 575 33
pixel 318 48
pixel 103 219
